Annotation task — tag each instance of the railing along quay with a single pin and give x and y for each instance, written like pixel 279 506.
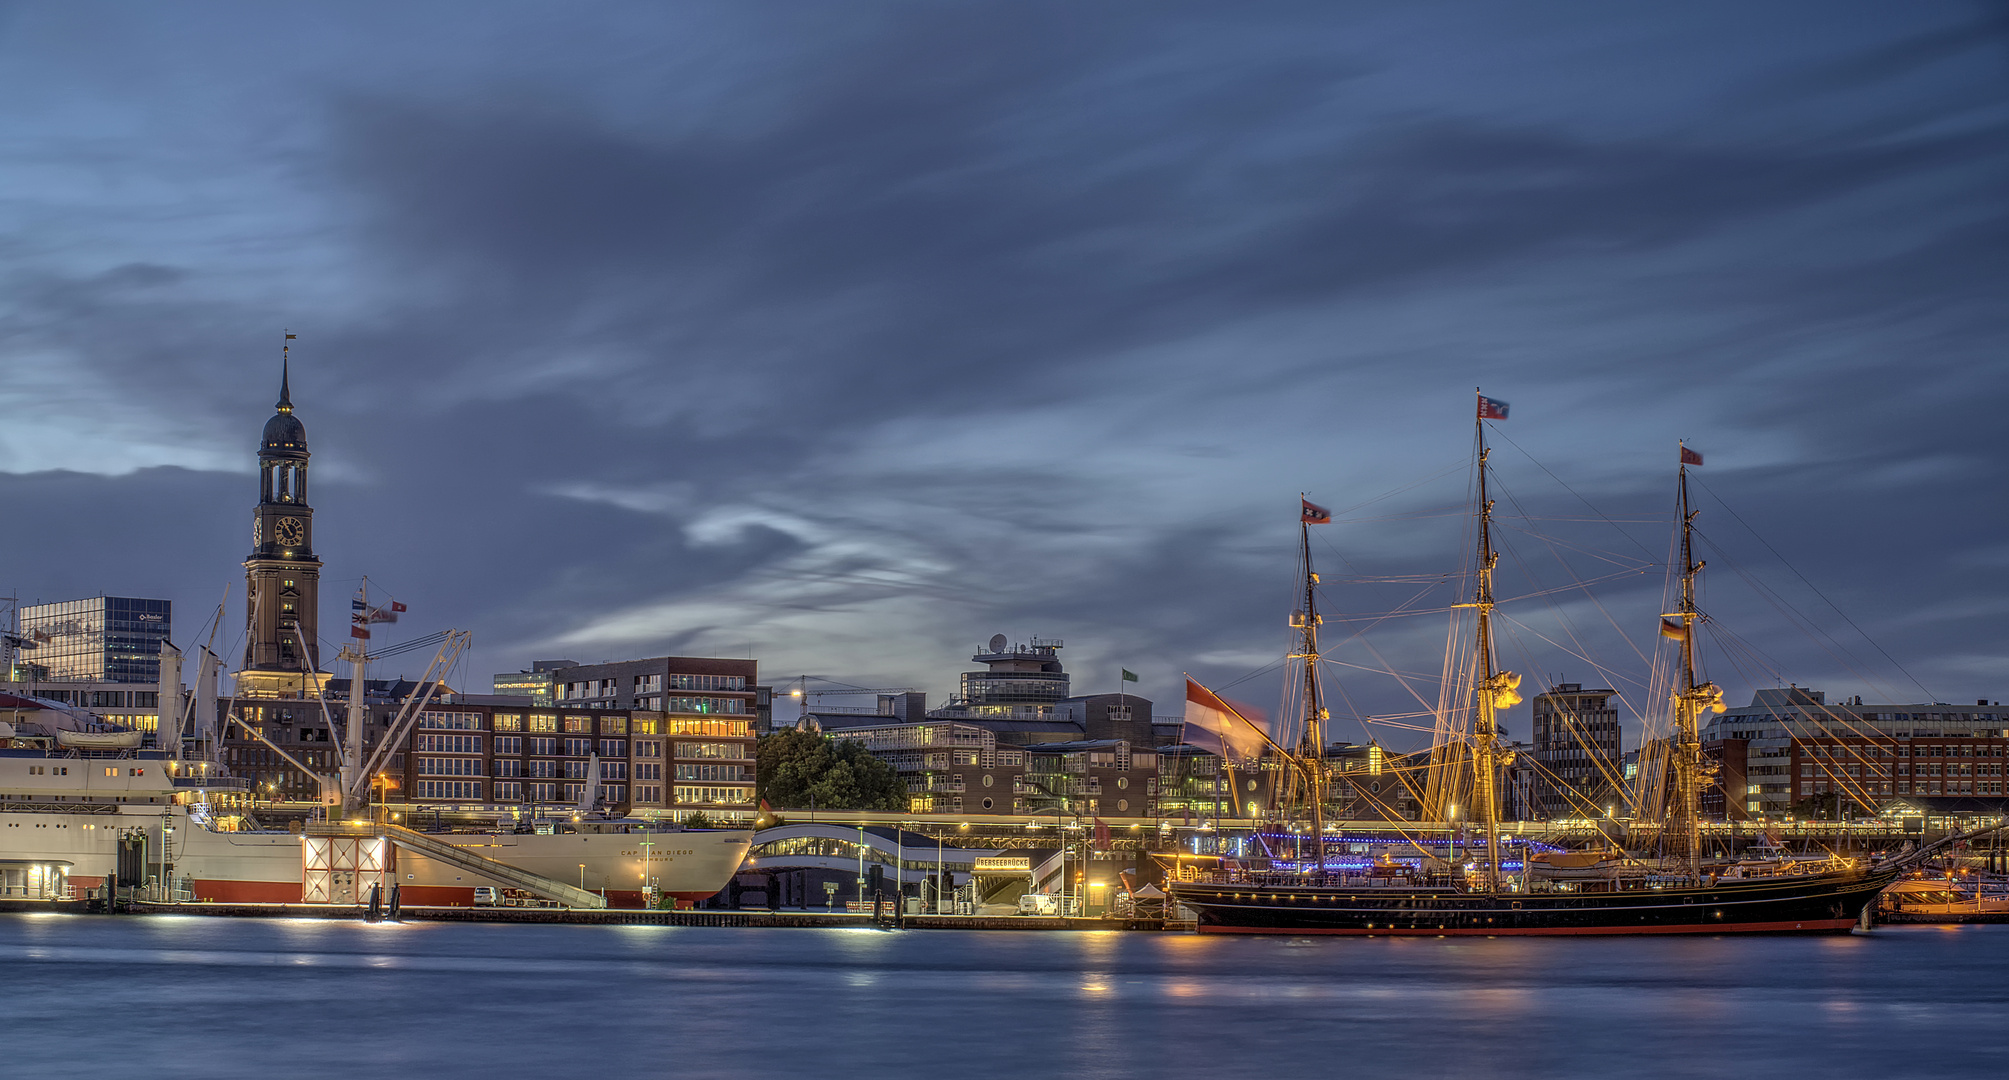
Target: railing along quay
pixel 637 917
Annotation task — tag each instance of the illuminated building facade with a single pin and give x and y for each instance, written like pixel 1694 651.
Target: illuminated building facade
pixel 103 639
pixel 506 757
pixel 1791 752
pixel 535 684
pixel 1575 752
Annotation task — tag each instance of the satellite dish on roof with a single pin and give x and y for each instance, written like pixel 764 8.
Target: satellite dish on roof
pixel 998 642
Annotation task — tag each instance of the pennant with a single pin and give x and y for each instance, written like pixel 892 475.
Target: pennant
pixel 356 604
pixel 359 632
pixel 1491 408
pixel 1313 513
pixel 1213 724
pixel 1129 675
pixel 1690 457
pixel 1670 628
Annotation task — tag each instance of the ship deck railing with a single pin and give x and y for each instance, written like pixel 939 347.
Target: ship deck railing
pixel 1415 881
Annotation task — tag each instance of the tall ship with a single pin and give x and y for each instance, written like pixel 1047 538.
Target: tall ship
pixel 1672 891
pixel 86 805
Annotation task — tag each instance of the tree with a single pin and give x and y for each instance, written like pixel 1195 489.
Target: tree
pixel 800 769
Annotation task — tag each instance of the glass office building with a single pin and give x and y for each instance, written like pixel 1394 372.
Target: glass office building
pixel 102 639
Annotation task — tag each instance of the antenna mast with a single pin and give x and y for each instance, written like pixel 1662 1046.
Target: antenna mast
pixel 1493 689
pixel 1690 700
pixel 1311 747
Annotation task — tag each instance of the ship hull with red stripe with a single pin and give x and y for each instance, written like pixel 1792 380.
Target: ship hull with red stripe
pixel 1831 902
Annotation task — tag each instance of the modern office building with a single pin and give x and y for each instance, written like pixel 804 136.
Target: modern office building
pixel 1792 752
pixel 102 639
pixel 534 684
pixel 1575 751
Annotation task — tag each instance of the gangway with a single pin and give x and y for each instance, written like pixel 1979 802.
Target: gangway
pixel 514 876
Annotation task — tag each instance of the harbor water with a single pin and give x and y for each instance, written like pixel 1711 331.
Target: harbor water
pixel 224 998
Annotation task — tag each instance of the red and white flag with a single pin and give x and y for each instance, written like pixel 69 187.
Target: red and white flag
pixel 388 613
pixel 1492 408
pixel 1314 514
pixel 1690 457
pixel 1235 732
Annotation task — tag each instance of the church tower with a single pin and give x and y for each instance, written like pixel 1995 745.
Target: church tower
pixel 281 577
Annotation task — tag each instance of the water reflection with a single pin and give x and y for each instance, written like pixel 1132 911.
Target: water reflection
pixel 442 1000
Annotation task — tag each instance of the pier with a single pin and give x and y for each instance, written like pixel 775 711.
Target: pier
pixel 627 917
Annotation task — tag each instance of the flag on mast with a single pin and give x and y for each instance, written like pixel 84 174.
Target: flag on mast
pixel 1690 457
pixel 1129 675
pixel 1234 732
pixel 1671 629
pixel 1314 514
pixel 1492 408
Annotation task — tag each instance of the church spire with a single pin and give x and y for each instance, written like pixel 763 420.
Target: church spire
pixel 285 404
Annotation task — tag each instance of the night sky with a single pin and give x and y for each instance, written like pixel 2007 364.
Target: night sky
pixel 849 334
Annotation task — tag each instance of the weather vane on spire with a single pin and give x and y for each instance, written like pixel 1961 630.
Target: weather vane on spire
pixel 285 373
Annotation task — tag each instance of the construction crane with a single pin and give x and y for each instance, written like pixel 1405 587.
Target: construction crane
pixel 802 693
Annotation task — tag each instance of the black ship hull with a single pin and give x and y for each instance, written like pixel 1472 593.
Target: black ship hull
pixel 1812 903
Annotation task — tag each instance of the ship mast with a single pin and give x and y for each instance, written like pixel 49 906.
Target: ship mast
pixel 1311 747
pixel 1493 689
pixel 1689 701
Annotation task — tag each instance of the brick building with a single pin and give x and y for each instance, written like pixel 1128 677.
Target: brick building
pixel 1790 746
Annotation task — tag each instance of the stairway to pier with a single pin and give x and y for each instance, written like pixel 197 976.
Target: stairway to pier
pixel 514 876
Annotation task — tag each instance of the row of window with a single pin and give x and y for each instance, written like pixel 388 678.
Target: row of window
pixel 552 746
pixel 538 722
pixel 733 796
pixel 1921 787
pixel 1844 750
pixel 731 773
pixel 509 791
pixel 438 766
pixel 1923 769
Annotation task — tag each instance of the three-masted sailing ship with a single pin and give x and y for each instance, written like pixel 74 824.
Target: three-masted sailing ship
pixel 1677 892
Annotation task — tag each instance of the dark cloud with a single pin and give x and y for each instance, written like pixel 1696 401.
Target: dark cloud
pixel 850 340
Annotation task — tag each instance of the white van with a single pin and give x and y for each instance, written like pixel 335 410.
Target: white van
pixel 1039 903
pixel 487 896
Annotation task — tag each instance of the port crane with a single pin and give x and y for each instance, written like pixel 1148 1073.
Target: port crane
pixel 802 693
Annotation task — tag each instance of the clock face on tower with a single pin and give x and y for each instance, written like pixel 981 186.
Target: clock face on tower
pixel 289 531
